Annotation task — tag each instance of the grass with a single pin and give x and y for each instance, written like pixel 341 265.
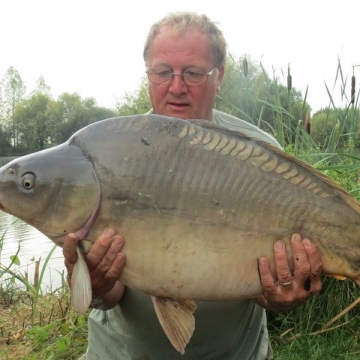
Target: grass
pixel 37 325
pixel 313 331
pixel 50 331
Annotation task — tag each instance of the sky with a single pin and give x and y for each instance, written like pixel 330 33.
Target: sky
pixel 94 47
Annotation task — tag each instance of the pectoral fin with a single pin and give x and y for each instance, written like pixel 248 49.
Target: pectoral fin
pixel 81 293
pixel 177 319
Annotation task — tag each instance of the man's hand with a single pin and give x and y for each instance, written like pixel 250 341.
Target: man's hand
pixel 287 291
pixel 105 262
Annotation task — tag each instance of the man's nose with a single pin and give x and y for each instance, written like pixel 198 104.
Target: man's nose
pixel 177 84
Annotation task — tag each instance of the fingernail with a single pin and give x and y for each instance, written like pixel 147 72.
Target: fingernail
pixel 308 243
pixel 279 245
pixel 262 262
pixel 297 238
pixel 120 258
pixel 109 232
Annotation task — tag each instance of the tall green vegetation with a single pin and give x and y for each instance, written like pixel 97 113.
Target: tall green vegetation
pixel 335 127
pixel 248 92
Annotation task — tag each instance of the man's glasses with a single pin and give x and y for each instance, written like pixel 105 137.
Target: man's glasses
pixel 189 77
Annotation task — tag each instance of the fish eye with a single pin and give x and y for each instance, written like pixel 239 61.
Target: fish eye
pixel 28 181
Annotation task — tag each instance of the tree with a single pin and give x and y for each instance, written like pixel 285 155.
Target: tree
pixel 42 87
pixel 71 113
pixel 13 92
pixel 5 145
pixel 137 102
pixel 35 127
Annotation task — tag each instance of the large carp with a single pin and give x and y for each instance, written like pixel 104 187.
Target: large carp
pixel 198 205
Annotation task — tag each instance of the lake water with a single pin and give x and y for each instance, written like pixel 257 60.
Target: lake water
pixel 14 233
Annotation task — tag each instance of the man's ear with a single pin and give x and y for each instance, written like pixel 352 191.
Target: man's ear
pixel 220 78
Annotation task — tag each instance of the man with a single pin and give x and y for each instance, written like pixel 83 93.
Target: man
pixel 185 57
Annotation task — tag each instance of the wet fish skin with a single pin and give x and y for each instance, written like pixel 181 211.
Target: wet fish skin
pixel 195 180
pixel 198 204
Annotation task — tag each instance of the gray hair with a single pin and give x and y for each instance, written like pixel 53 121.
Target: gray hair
pixel 181 22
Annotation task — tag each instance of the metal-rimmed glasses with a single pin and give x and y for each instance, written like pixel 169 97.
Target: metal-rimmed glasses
pixel 189 77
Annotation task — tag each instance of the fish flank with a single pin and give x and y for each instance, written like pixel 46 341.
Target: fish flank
pixel 138 124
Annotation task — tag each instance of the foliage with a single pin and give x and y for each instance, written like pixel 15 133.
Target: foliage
pixel 13 91
pixel 248 92
pixel 137 102
pixel 309 333
pixel 35 325
pixel 336 127
pixel 5 145
pixel 34 129
pixel 71 113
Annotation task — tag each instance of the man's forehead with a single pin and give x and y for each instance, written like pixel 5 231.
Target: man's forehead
pixel 193 47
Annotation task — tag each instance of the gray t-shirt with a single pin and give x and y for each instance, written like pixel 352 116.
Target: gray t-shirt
pixel 233 330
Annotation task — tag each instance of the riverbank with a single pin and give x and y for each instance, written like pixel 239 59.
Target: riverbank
pixel 48 329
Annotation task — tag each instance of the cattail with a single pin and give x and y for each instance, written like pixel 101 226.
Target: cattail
pixel 353 89
pixel 289 80
pixel 246 69
pixel 307 122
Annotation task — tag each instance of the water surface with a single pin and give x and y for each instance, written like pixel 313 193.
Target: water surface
pixel 14 233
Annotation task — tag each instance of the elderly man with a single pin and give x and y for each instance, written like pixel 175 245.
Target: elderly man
pixel 185 57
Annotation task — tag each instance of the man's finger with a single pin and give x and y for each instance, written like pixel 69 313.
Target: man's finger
pixel 108 259
pixel 116 268
pixel 99 248
pixel 302 265
pixel 266 277
pixel 283 272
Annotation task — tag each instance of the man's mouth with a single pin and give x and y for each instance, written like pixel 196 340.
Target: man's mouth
pixel 178 106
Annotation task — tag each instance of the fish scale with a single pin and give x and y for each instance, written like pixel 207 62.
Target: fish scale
pixel 197 203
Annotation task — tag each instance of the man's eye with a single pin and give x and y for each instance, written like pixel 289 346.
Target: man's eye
pixel 163 73
pixel 193 73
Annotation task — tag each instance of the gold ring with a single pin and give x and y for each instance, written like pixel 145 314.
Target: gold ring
pixel 285 284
